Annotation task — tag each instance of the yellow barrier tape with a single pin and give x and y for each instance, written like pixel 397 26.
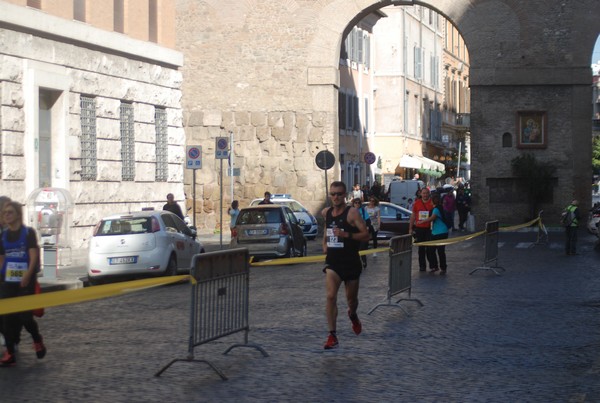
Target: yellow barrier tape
pixel 519 226
pixel 308 259
pixel 450 241
pixel 291 260
pixel 57 298
pixel 372 251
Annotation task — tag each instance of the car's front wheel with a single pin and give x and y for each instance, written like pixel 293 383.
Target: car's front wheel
pixel 171 267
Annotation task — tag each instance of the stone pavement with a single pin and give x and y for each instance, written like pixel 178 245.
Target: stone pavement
pixel 531 334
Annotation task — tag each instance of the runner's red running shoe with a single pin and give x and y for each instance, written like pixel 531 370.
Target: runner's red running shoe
pixel 8 360
pixel 356 325
pixel 331 343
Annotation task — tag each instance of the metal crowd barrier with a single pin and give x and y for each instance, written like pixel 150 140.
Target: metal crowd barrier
pixel 491 248
pixel 542 234
pixel 220 301
pixel 400 272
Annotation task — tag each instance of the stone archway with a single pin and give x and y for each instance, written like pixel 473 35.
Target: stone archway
pixel 267 70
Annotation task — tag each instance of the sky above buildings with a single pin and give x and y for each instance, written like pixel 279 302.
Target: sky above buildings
pixel 596 57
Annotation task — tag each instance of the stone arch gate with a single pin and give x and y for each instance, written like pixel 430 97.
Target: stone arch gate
pixel 267 71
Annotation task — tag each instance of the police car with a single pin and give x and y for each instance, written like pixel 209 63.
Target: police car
pixel 310 226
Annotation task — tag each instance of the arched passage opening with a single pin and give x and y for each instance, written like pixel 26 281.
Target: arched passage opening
pixel 516 70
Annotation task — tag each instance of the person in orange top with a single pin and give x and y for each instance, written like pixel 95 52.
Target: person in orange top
pixel 422 230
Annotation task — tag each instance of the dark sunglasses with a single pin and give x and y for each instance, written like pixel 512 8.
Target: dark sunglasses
pixel 332 194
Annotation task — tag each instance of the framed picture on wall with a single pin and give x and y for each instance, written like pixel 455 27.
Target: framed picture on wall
pixel 532 129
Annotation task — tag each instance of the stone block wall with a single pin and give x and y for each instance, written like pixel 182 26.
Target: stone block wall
pixel 274 151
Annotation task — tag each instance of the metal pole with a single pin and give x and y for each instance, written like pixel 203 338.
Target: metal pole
pixel 194 197
pixel 326 196
pixel 221 208
pixel 231 163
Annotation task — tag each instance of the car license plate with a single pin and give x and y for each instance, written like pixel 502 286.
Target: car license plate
pixel 258 232
pixel 122 260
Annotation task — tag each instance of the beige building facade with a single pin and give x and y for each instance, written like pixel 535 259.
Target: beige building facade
pixel 355 103
pixel 456 106
pixel 409 93
pixel 90 102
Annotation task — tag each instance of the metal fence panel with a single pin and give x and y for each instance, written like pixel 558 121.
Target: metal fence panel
pixel 219 301
pixel 400 271
pixel 491 248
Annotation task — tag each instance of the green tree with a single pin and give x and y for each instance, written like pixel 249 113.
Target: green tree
pixel 536 180
pixel 596 154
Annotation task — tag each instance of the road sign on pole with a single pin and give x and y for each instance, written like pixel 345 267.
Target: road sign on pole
pixel 193 157
pixel 325 160
pixel 222 148
pixel 370 158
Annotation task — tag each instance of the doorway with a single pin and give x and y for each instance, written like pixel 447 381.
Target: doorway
pixel 47 134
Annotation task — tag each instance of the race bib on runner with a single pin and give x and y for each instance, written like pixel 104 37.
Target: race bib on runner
pixel 15 271
pixel 332 240
pixel 423 215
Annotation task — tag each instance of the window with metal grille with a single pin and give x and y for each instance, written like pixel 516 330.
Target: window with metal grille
pixel 88 138
pixel 127 142
pixel 162 161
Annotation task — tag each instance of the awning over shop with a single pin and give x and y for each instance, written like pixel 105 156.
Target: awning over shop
pixel 419 162
pixel 408 161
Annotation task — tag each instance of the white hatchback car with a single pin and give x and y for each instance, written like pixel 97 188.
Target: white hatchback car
pixel 310 227
pixel 141 243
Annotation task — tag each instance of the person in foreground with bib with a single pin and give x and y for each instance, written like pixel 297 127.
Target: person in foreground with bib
pixel 422 229
pixel 20 262
pixel 344 231
pixel 439 231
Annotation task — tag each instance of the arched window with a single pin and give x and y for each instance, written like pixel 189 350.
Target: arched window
pixel 507 140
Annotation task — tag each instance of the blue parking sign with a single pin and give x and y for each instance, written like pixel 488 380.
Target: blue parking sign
pixel 193 157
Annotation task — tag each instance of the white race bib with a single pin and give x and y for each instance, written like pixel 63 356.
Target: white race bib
pixel 423 215
pixel 15 271
pixel 332 240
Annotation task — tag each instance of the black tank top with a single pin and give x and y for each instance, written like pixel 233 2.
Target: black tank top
pixel 341 250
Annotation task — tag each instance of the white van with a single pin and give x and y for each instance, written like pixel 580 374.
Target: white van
pixel 401 191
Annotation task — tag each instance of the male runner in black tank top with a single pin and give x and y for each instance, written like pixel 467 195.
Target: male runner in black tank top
pixel 344 230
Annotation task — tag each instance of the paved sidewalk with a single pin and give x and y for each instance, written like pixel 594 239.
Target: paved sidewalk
pixel 531 334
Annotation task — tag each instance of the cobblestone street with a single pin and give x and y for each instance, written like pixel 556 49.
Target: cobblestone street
pixel 531 334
